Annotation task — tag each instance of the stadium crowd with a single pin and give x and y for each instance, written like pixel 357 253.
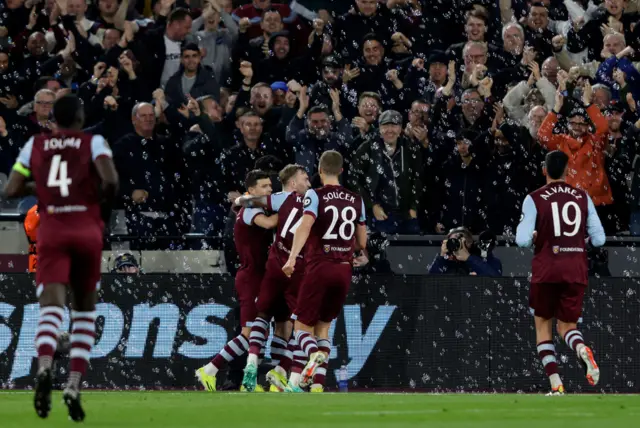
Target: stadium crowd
pixel 442 109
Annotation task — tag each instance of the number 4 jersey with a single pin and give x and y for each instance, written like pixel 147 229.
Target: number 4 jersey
pixel 288 205
pixel 337 212
pixel 67 182
pixel 562 216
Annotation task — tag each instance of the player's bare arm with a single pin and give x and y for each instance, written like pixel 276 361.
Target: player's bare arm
pixel 250 201
pixel 266 222
pixel 18 184
pixel 299 239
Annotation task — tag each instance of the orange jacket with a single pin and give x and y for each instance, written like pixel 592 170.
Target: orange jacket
pixel 31 223
pixel 586 156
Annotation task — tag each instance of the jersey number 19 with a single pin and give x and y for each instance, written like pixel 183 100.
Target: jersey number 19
pixel 563 218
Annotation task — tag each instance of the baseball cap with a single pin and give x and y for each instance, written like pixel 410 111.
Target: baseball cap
pixel 390 117
pixel 279 85
pixel 438 57
pixel 614 107
pixel 124 260
pixel 332 61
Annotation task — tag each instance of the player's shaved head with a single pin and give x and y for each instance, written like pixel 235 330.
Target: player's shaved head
pixel 555 164
pixel 68 112
pixel 331 163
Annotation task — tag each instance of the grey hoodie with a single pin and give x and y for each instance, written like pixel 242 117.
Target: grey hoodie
pixel 218 45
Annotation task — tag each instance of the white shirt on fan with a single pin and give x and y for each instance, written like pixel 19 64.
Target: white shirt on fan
pixel 172 60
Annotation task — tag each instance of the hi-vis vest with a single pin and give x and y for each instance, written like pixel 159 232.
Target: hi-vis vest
pixel 31 224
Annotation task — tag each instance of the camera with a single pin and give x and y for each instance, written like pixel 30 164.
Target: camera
pixel 453 245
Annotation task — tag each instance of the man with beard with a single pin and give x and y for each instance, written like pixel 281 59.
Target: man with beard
pixel 281 65
pixel 319 95
pixel 310 142
pixel 586 151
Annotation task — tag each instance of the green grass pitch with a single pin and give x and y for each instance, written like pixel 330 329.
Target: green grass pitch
pixel 370 410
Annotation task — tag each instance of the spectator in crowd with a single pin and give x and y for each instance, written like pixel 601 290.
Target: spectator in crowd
pixel 126 263
pixel 150 168
pixel 217 43
pixel 311 139
pixel 459 255
pixel 192 80
pixel 197 131
pixel 586 151
pixel 386 172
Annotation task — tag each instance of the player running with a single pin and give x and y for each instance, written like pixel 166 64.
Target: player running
pixel 252 238
pixel 75 179
pixel 556 219
pixel 334 226
pixel 278 293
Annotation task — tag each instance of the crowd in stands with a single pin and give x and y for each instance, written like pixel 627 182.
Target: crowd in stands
pixel 443 109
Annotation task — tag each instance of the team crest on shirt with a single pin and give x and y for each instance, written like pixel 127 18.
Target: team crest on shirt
pixel 306 202
pixel 327 248
pixel 556 249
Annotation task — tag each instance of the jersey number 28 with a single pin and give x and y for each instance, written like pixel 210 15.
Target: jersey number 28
pixel 58 175
pixel 347 226
pixel 565 218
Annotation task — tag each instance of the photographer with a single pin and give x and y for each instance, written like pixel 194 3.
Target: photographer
pixel 459 255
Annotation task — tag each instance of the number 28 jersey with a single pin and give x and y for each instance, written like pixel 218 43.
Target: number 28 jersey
pixel 67 182
pixel 337 212
pixel 561 215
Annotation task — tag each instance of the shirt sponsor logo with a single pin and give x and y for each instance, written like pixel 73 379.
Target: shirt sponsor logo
pixel 557 249
pixel 66 209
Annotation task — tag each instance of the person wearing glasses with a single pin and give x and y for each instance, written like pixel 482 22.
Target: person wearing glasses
pixel 586 147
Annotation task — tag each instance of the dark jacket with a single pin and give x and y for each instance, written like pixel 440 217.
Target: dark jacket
pixel 491 266
pixel 203 153
pixel 205 84
pixel 590 35
pixel 236 162
pixel 461 197
pixel 394 182
pixel 149 48
pixel 307 148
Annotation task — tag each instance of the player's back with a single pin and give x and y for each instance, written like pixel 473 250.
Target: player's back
pixel 288 205
pixel 67 182
pixel 252 241
pixel 561 227
pixel 338 211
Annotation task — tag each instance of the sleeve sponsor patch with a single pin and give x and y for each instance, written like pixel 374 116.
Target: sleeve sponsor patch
pixel 306 202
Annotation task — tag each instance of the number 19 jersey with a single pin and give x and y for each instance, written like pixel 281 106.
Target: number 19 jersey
pixel 560 212
pixel 337 211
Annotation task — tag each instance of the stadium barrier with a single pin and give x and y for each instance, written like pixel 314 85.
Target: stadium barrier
pixel 411 333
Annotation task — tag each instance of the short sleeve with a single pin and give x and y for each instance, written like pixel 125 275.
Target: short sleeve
pixel 99 147
pixel 249 214
pixel 275 201
pixel 310 203
pixel 363 215
pixel 25 154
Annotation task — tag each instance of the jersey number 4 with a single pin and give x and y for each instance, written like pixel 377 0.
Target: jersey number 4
pixel 58 175
pixel 563 218
pixel 287 228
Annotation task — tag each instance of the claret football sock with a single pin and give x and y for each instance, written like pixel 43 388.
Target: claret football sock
pixel 547 354
pixel 574 340
pixel 280 353
pixel 319 378
pixel 258 337
pixel 307 342
pixel 235 348
pixel 83 335
pixel 49 325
